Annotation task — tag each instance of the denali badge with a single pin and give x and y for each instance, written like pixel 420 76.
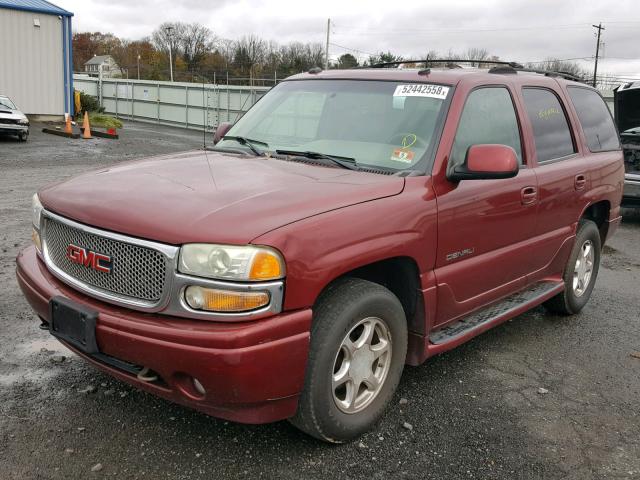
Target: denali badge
pixel 461 253
pixel 97 261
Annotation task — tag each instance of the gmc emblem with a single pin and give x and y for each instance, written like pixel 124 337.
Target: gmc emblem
pixel 94 260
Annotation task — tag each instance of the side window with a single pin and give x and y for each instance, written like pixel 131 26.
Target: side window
pixel 595 119
pixel 550 127
pixel 488 117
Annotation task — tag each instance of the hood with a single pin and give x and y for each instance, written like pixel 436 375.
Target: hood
pixel 210 197
pixel 11 114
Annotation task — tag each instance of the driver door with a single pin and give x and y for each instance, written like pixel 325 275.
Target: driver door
pixel 484 226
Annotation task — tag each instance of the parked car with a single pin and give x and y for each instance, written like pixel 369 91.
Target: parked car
pixel 351 222
pixel 12 120
pixel 631 148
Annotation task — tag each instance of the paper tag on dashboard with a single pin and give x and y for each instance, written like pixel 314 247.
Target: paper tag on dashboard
pixel 422 90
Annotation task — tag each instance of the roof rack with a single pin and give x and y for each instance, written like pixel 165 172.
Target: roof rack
pixel 547 73
pixel 449 61
pixel 499 67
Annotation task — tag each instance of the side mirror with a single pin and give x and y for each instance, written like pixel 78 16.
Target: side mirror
pixel 221 131
pixel 485 162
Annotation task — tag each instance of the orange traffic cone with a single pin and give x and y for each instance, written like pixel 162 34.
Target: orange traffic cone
pixel 86 129
pixel 67 124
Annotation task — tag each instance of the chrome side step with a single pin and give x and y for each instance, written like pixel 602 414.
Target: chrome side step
pixel 491 312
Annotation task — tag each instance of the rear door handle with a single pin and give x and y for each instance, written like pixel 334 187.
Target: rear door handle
pixel 580 181
pixel 529 195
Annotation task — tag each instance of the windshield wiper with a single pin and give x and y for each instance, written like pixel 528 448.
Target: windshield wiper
pixel 247 142
pixel 344 162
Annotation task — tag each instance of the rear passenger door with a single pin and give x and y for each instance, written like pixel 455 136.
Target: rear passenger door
pixel 561 172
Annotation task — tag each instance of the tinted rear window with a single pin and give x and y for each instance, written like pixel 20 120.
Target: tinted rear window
pixel 550 127
pixel 595 119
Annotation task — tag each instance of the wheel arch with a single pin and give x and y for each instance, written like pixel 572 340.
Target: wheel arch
pixel 599 213
pixel 401 276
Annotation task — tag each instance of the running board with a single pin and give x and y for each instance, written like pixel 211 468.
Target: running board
pixel 531 295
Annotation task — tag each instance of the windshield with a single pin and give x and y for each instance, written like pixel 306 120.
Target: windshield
pixel 389 125
pixel 6 103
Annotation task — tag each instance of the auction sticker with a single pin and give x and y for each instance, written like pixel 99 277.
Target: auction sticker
pixel 402 155
pixel 422 90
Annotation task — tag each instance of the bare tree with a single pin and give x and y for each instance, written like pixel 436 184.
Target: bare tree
pixel 249 52
pixel 166 38
pixel 296 57
pixel 194 43
pixel 168 34
pixel 563 66
pixel 475 54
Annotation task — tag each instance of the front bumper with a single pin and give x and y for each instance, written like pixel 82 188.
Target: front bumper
pixel 13 129
pixel 252 372
pixel 631 194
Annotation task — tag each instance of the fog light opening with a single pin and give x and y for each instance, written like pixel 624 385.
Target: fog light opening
pixel 224 301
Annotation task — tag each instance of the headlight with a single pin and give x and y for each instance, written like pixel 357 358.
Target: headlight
pixel 23 121
pixel 36 211
pixel 246 263
pixel 36 215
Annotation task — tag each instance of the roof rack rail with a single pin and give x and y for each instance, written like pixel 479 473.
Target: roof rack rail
pixel 452 61
pixel 548 73
pixel 499 66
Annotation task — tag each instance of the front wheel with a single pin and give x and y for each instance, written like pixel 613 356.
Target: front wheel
pixel 580 273
pixel 22 136
pixel 356 356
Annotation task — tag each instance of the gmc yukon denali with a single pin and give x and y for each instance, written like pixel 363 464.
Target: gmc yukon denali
pixel 351 222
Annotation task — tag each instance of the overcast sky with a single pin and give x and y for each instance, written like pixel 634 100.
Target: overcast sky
pixel 512 29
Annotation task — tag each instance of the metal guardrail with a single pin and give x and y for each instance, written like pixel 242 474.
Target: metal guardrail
pixel 180 104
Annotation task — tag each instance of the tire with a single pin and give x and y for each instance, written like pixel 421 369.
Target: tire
pixel 22 136
pixel 346 310
pixel 574 298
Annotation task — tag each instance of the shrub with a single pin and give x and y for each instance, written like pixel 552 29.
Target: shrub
pixel 89 104
pixel 104 121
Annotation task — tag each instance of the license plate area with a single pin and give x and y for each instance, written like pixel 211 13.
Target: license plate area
pixel 73 323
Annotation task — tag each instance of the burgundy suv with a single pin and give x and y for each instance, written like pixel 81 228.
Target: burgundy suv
pixel 350 223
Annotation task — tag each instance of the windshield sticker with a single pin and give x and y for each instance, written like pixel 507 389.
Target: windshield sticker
pixel 409 140
pixel 421 90
pixel 402 155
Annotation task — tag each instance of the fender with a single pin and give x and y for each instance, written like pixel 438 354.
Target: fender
pixel 324 247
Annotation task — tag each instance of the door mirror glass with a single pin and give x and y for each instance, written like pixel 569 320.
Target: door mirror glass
pixel 488 161
pixel 221 131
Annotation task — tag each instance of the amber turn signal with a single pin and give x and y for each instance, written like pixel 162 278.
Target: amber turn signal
pixel 35 236
pixel 214 300
pixel 266 266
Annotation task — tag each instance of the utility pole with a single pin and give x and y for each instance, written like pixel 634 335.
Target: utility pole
pixel 599 27
pixel 138 66
pixel 326 50
pixel 169 31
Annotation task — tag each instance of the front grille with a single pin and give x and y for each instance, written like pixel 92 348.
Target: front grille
pixel 137 272
pixel 8 121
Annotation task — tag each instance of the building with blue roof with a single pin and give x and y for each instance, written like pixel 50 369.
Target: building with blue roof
pixel 36 56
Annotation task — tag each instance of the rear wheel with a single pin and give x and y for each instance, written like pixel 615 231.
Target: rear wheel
pixel 581 271
pixel 356 356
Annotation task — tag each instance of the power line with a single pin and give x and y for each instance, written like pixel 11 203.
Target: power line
pixel 352 49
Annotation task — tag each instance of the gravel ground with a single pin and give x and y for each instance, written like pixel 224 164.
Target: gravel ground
pixel 538 397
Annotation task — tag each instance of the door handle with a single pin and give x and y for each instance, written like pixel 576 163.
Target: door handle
pixel 529 195
pixel 580 181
